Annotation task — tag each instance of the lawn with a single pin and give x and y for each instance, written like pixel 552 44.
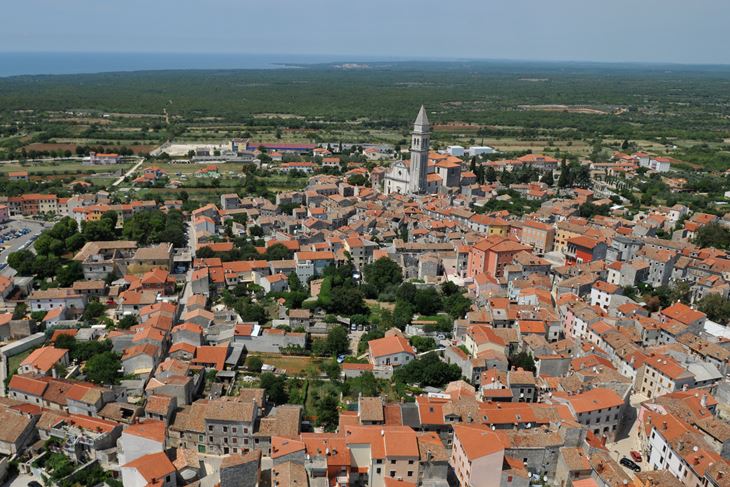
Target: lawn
pixel 293 364
pixel 15 360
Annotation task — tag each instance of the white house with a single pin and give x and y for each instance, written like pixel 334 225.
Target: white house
pixel 391 350
pixel 155 469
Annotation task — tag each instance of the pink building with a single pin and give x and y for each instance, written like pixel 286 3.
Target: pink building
pixel 477 456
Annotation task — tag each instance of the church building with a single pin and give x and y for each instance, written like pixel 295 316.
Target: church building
pixel 412 176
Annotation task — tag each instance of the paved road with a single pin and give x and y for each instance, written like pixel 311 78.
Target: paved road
pixel 16 244
pixel 629 437
pixel 128 173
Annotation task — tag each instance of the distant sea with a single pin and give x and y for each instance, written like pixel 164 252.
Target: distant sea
pixel 14 64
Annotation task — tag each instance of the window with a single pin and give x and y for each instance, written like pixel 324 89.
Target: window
pixel 210 427
pixel 392 473
pixel 225 429
pixel 377 470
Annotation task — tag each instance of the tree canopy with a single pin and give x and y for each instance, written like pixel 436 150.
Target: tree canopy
pixel 426 371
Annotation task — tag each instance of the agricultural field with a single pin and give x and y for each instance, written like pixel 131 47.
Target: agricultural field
pixel 63 168
pixel 515 107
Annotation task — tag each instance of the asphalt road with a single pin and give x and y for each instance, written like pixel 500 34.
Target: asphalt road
pixel 128 173
pixel 15 244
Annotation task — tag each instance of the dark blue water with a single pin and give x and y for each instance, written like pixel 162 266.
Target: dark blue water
pixel 13 64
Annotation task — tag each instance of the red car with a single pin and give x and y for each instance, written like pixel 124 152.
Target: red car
pixel 635 455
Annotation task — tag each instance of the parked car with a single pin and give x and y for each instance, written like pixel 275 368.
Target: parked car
pixel 635 455
pixel 630 464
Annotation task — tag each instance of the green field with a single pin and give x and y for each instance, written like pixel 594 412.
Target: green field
pixel 293 364
pixel 514 106
pixel 60 168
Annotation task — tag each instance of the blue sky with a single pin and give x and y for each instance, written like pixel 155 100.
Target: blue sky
pixel 680 31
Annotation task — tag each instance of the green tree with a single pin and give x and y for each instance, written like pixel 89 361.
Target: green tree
pixel 275 387
pixel 547 178
pixel 402 314
pixel 712 235
pixel 715 307
pixel 326 408
pixel 250 311
pixel 99 230
pixel 427 301
pixel 20 310
pixel 564 180
pixel 254 363
pixel 336 342
pixel 523 360
pixel 69 273
pixel 204 253
pixel 426 371
pixel 457 305
pixel 278 252
pixel 331 368
pixel 358 180
pixel 103 368
pixel 383 273
pixel 366 384
pixel 126 322
pixel 407 292
pixel 423 344
pixel 294 283
pixel 347 300
pixel 93 310
pixel 22 261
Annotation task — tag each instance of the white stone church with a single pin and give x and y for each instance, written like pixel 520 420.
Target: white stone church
pixel 426 172
pixel 411 176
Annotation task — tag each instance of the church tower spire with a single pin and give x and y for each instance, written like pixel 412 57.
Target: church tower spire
pixel 419 152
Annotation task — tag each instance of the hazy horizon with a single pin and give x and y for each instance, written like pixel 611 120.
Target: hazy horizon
pixel 648 31
pixel 32 63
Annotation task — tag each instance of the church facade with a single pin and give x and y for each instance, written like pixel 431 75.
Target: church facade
pixel 411 176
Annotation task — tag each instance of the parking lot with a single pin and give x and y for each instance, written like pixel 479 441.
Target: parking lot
pixel 17 235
